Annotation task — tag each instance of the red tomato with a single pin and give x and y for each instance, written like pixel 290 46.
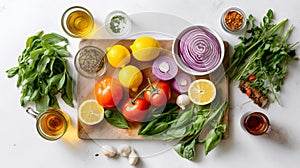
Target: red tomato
pixel 248 92
pixel 135 111
pixel 252 77
pixel 158 94
pixel 108 92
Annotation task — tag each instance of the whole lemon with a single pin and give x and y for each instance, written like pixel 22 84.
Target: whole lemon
pixel 145 48
pixel 118 56
pixel 131 77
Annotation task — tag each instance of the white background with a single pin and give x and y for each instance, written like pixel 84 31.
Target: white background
pixel 21 146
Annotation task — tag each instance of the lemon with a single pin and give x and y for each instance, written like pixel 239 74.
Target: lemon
pixel 202 92
pixel 145 48
pixel 118 56
pixel 90 112
pixel 131 77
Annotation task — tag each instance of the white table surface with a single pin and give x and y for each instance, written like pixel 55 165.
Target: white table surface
pixel 20 144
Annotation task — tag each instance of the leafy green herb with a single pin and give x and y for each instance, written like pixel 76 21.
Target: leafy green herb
pixel 43 71
pixel 264 51
pixel 115 118
pixel 187 126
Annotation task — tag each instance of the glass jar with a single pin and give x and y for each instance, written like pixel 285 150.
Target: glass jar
pixel 233 20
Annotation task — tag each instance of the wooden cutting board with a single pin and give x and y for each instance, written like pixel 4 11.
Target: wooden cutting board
pixel 85 88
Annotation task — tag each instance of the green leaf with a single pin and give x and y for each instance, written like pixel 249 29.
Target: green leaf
pixel 35 54
pixel 30 40
pixel 213 138
pixel 43 104
pixel 42 64
pixel 184 118
pixel 61 82
pixel 189 150
pixel 12 71
pixel 54 80
pixel 53 38
pixel 115 118
pixel 35 95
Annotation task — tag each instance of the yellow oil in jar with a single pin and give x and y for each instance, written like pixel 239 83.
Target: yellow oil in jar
pixel 80 22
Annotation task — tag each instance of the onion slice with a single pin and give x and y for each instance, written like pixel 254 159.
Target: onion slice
pixel 181 83
pixel 199 49
pixel 164 68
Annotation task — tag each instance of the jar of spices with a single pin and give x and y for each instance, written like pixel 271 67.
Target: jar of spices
pixel 118 23
pixel 90 62
pixel 233 20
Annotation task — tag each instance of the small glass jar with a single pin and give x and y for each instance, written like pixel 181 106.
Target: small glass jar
pixel 77 22
pixel 90 62
pixel 118 23
pixel 233 20
pixel 255 123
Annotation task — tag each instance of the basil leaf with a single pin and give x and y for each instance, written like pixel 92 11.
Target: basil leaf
pixel 12 71
pixel 115 118
pixel 43 103
pixel 213 138
pixel 61 81
pixel 53 38
pixel 42 64
pixel 184 118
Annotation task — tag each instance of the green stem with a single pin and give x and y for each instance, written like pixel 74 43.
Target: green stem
pixel 139 94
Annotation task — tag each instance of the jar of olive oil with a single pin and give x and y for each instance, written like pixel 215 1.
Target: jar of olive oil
pixel 77 22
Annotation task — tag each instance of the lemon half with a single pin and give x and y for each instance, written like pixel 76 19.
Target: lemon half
pixel 90 112
pixel 202 91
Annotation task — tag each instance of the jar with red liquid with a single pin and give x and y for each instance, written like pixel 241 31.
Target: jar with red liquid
pixel 256 123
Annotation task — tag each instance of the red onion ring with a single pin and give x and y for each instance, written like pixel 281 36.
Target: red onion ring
pixel 181 83
pixel 164 68
pixel 199 49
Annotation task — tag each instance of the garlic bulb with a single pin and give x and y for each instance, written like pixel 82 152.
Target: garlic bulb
pixel 182 101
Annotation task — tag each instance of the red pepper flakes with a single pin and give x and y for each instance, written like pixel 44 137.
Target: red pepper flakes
pixel 234 20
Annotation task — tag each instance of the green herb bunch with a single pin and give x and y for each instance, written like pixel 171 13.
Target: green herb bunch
pixel 264 51
pixel 197 124
pixel 43 71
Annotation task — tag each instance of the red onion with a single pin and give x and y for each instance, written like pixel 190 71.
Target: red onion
pixel 181 83
pixel 199 49
pixel 164 68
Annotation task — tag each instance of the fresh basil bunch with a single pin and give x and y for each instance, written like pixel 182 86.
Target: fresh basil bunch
pixel 43 71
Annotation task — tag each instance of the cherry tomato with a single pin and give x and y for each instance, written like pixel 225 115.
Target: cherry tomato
pixel 158 94
pixel 135 111
pixel 108 92
pixel 251 77
pixel 248 92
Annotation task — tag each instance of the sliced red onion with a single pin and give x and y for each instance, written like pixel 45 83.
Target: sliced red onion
pixel 199 49
pixel 164 68
pixel 181 83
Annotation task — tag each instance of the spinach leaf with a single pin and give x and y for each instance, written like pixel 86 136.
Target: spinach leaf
pixel 115 118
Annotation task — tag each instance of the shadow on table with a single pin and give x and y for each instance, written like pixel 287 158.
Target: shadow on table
pixel 279 135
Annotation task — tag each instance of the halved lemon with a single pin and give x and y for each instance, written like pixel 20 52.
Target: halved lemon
pixel 202 91
pixel 90 112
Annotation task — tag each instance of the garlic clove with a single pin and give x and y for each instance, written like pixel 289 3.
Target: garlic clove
pixel 133 157
pixel 124 150
pixel 109 151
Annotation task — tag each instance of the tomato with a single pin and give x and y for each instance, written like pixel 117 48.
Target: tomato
pixel 248 92
pixel 158 94
pixel 135 111
pixel 251 77
pixel 108 92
